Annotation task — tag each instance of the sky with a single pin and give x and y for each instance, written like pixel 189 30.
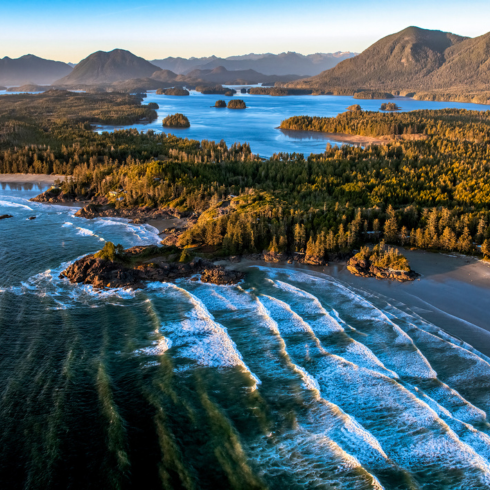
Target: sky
pixel 71 30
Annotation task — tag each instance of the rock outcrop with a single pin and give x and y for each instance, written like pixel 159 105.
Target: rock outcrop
pixel 101 273
pixel 5 216
pixel 364 268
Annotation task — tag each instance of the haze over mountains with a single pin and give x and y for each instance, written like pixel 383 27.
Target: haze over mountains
pixel 31 69
pixel 413 59
pixel 103 67
pixel 268 64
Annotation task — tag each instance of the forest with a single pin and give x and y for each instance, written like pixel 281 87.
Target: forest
pixel 432 193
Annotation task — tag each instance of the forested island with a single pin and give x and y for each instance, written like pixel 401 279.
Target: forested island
pixel 389 107
pixel 176 121
pixel 237 104
pixel 173 91
pixel 431 193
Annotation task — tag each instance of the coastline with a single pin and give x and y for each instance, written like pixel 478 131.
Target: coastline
pixel 351 139
pixel 453 292
pixel 30 178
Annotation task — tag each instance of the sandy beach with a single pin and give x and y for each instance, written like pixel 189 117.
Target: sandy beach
pixel 453 292
pixel 350 139
pixel 30 178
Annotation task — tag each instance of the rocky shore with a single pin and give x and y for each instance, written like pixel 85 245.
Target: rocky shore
pixel 137 265
pixel 365 268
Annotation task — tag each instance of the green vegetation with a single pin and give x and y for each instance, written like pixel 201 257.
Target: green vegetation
pixel 389 106
pixel 176 121
pixel 236 104
pixel 220 104
pixel 110 252
pixel 432 193
pixel 279 91
pixel 175 91
pixel 447 124
pixel 384 257
pixel 485 249
pixel 153 105
pixel 372 94
pixel 215 90
pixel 355 107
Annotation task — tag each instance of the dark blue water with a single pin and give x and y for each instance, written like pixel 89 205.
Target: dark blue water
pixel 257 125
pixel 289 380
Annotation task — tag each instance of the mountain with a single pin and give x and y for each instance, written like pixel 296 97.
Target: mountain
pixel 269 64
pixel 31 69
pixel 182 65
pixel 467 63
pixel 108 67
pixel 415 59
pixel 221 75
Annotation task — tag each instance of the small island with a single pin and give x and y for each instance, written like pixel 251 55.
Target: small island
pixel 176 121
pixel 153 105
pixel 382 263
pixel 220 104
pixel 354 108
pixel 389 107
pixel 237 104
pixel 176 91
pixel 372 94
pixel 215 90
pixel 114 267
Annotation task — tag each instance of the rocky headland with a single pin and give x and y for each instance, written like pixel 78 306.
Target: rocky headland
pixel 132 267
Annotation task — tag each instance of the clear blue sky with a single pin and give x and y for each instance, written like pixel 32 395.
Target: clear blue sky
pixel 70 31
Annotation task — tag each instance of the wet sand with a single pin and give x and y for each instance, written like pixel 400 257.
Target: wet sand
pixel 453 292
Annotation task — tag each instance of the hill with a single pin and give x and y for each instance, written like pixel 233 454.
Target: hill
pixel 31 69
pixel 108 67
pixel 239 77
pixel 267 63
pixel 405 60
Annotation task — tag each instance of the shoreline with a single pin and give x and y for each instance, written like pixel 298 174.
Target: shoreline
pixel 352 139
pixel 29 178
pixel 452 293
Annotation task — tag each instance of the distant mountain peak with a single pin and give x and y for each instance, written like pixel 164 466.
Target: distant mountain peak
pixel 109 67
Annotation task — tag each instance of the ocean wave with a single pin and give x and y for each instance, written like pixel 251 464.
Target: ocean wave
pixel 10 204
pixel 201 338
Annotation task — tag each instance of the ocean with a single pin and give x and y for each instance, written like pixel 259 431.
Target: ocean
pixel 289 380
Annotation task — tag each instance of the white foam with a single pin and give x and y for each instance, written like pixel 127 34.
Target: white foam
pixel 10 204
pixel 84 232
pixel 201 338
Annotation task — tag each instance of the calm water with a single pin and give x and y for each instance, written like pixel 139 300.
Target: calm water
pixel 258 123
pixel 289 380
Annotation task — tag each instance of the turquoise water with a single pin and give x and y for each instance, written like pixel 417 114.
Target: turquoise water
pixel 288 380
pixel 257 125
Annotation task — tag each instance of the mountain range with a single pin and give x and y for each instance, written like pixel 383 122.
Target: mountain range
pixel 31 69
pixel 289 63
pixel 413 59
